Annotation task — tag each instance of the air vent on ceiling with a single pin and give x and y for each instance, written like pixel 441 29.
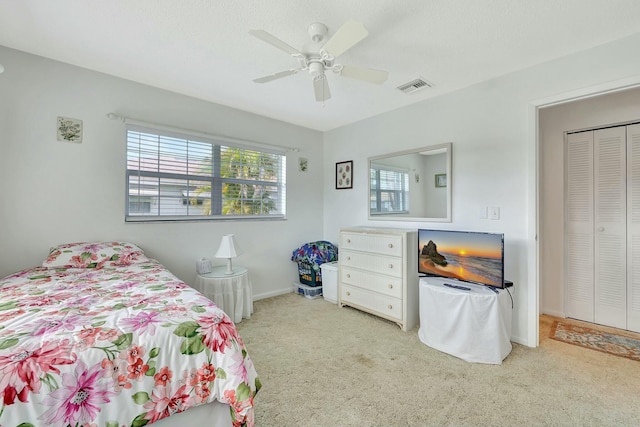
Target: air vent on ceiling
pixel 415 85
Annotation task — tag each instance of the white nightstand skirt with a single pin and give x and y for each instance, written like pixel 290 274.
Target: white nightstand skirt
pixel 232 294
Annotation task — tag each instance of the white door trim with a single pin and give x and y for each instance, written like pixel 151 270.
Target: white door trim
pixel 533 167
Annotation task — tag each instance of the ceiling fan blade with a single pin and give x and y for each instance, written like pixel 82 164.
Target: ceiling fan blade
pixel 275 76
pixel 347 36
pixel 365 74
pixel 274 41
pixel 321 88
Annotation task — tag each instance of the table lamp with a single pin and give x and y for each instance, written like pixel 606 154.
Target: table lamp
pixel 228 249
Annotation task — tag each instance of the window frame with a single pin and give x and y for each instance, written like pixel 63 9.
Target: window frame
pixel 215 180
pixel 402 193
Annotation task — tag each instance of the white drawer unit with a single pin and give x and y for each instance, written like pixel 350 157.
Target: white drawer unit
pixel 378 273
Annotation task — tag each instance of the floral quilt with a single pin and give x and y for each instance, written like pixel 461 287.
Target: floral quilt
pixel 115 346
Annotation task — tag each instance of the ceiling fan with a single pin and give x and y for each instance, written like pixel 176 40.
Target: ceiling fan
pixel 320 60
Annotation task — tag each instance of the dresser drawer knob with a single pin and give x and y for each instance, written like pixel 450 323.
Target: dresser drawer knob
pixel 390 265
pixel 390 286
pixel 348 258
pixel 348 293
pixel 390 307
pixel 348 276
pixel 390 245
pixel 348 240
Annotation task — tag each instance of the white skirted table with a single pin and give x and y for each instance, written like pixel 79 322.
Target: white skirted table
pixel 474 324
pixel 231 292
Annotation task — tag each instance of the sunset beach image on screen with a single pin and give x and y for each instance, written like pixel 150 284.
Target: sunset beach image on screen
pixel 469 256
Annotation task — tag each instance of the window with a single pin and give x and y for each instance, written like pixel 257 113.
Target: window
pixel 389 191
pixel 139 204
pixel 171 176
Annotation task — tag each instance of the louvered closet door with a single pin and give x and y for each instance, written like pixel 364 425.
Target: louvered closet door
pixel 579 243
pixel 633 227
pixel 610 191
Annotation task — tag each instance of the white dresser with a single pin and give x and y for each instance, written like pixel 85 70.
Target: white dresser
pixel 378 273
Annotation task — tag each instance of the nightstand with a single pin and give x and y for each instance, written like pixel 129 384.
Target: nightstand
pixel 231 292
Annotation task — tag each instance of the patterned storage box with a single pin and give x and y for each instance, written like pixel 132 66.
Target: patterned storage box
pixel 309 258
pixel 308 275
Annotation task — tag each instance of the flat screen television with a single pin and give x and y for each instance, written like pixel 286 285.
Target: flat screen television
pixel 469 256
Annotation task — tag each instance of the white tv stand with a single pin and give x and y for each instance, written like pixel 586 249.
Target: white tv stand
pixel 474 324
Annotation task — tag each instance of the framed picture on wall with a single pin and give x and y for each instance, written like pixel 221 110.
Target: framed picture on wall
pixel 344 175
pixel 69 130
pixel 441 180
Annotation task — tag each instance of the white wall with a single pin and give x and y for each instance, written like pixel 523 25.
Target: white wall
pixel 53 192
pixel 492 129
pixel 598 111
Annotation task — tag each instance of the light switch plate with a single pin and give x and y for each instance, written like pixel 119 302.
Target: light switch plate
pixel 494 212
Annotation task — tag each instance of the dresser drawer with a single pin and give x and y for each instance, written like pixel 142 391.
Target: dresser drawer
pixel 382 304
pixel 391 266
pixel 383 284
pixel 376 243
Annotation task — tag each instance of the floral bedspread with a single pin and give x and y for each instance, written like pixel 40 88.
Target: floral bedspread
pixel 116 346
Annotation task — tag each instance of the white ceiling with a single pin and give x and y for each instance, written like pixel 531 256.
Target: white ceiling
pixel 202 48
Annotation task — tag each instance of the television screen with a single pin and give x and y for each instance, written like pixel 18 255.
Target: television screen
pixel 464 255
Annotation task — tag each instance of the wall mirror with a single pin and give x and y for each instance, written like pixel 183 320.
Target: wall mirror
pixel 411 185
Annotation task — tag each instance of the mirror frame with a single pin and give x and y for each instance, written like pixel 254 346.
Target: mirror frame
pixel 448 146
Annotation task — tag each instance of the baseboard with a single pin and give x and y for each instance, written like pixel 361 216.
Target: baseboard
pixel 519 340
pixel 553 313
pixel 275 293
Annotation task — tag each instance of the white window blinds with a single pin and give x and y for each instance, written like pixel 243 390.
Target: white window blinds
pixel 389 191
pixel 173 176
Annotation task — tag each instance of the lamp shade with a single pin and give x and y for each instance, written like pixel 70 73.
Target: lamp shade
pixel 228 247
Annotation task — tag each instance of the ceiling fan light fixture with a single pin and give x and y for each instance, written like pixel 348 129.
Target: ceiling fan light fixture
pixel 316 69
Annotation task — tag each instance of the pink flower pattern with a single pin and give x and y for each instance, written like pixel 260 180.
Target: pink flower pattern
pixel 79 399
pixel 163 377
pixel 217 331
pixel 144 322
pixel 75 341
pixel 22 368
pixel 166 401
pixel 51 326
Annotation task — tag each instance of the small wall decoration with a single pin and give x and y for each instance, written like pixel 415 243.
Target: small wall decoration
pixel 303 164
pixel 69 129
pixel 344 175
pixel 441 180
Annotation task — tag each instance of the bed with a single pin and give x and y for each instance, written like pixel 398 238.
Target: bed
pixel 101 335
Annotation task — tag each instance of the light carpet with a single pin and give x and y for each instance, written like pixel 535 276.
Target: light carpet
pixel 321 365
